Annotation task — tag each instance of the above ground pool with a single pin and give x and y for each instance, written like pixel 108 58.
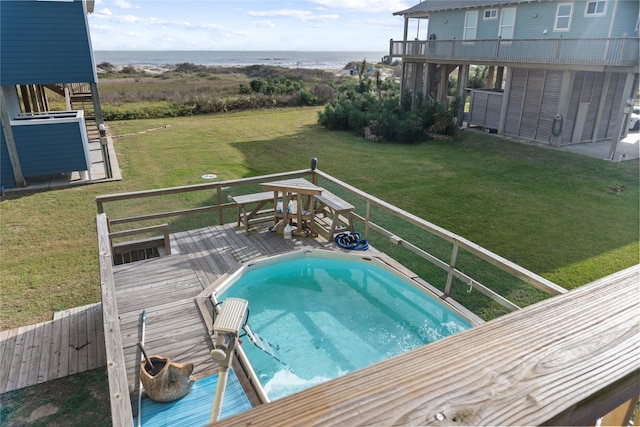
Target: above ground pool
pixel 323 314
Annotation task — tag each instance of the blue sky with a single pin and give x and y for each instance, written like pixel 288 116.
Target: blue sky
pixel 316 25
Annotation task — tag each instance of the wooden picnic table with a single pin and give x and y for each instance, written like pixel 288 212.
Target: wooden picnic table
pixel 301 193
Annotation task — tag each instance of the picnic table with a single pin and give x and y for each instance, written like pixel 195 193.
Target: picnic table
pixel 301 193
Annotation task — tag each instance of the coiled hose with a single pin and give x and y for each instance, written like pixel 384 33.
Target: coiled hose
pixel 351 241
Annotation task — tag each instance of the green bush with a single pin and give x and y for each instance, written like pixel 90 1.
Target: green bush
pixel 372 108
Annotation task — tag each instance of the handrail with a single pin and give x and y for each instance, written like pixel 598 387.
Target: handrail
pixel 116 368
pixel 520 272
pixel 449 267
pixel 568 360
pixel 621 51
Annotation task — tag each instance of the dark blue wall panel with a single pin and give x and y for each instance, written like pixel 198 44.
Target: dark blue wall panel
pixel 46 149
pixel 44 42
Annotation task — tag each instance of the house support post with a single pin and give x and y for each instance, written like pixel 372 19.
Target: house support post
pixel 502 121
pixel 563 104
pixel 404 38
pixel 97 111
pixel 499 78
pixel 444 83
pixel 67 95
pixel 10 141
pixel 490 76
pixel 627 101
pixel 463 75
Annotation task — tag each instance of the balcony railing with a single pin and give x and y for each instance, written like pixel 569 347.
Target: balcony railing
pixel 561 51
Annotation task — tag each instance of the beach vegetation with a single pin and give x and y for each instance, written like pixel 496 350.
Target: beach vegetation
pixel 131 92
pixel 371 108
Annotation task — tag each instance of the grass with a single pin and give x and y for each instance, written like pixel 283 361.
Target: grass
pixel 70 401
pixel 569 218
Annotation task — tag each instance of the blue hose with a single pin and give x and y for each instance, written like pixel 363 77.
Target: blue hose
pixel 351 241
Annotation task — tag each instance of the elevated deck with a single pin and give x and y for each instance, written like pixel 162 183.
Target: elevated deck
pixel 166 288
pixel 460 379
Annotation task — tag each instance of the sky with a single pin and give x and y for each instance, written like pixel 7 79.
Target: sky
pixel 314 25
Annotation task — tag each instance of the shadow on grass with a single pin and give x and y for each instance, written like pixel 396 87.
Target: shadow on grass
pixel 77 400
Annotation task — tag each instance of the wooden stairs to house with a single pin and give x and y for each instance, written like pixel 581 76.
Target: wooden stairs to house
pixel 80 98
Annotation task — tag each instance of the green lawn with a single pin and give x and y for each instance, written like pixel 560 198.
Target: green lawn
pixel 569 218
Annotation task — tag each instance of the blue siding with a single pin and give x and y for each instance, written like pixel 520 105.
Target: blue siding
pixel 44 42
pixel 626 19
pixel 533 18
pixel 50 148
pixel 6 171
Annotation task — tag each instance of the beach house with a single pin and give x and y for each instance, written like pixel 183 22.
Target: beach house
pixel 46 50
pixel 558 72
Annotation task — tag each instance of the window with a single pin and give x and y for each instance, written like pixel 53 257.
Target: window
pixel 596 8
pixel 470 25
pixel 490 14
pixel 563 17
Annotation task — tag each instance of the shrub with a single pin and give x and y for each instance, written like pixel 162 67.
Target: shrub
pixel 370 107
pixel 323 92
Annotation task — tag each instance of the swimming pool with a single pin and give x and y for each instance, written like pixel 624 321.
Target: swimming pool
pixel 326 314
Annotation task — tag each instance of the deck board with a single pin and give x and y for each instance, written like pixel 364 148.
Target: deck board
pixel 47 351
pixel 165 287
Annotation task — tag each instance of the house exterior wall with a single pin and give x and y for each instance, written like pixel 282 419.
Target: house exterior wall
pixel 533 104
pixel 533 18
pixel 45 42
pixel 51 146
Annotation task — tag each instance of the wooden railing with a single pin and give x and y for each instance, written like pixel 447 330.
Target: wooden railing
pixel 449 266
pixel 567 360
pixel 116 369
pixel 560 51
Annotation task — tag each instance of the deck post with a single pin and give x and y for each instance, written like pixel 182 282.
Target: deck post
pixel 10 142
pixel 452 266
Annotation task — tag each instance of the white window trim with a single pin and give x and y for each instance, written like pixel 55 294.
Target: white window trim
pixel 495 14
pixel 555 21
pixel 595 14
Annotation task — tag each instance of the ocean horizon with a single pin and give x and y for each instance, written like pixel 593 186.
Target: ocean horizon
pixel 287 59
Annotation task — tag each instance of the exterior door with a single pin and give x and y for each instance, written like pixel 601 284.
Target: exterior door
pixel 470 25
pixel 507 23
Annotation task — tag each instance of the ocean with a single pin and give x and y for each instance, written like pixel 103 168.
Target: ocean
pixel 288 59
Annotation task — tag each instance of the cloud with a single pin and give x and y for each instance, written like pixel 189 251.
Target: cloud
pixel 267 23
pixel 365 5
pixel 288 13
pixel 123 4
pixel 301 15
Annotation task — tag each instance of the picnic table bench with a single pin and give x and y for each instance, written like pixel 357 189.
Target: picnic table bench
pixel 256 214
pixel 335 215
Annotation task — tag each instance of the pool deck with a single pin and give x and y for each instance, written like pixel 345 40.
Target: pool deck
pixel 167 288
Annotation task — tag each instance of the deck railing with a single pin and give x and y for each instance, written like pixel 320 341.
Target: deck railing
pixel 560 51
pixel 567 360
pixel 449 266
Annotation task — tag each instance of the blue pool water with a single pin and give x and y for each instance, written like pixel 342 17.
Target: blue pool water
pixel 331 316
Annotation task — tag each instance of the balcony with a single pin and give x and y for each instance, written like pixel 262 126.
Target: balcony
pixel 594 52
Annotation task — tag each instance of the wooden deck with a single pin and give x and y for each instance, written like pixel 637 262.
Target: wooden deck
pixel 71 343
pixel 166 288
